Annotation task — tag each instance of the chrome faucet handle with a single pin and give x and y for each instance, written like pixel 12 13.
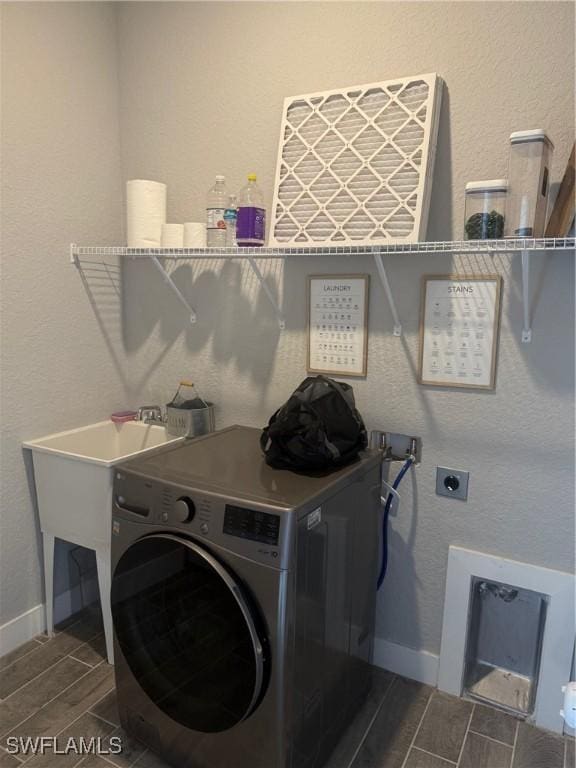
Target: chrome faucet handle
pixel 150 414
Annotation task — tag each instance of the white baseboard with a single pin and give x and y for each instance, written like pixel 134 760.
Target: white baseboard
pixel 28 625
pixel 408 662
pixel 21 629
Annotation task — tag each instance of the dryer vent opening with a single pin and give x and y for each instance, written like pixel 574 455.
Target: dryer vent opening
pixel 504 644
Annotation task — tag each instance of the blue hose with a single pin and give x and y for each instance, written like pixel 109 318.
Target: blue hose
pixel 408 463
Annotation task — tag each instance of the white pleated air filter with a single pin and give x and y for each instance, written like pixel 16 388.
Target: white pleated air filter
pixel 355 165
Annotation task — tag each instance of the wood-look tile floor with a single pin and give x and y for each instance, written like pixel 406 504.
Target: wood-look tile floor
pixel 63 687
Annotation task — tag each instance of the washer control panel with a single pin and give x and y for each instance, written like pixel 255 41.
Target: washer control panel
pixel 254 531
pixel 251 524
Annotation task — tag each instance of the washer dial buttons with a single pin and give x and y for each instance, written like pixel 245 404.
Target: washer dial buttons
pixel 183 510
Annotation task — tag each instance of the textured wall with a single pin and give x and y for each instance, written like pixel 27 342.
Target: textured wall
pixel 201 90
pixel 202 87
pixel 60 183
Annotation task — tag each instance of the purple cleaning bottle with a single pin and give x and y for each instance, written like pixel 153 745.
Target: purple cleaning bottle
pixel 251 222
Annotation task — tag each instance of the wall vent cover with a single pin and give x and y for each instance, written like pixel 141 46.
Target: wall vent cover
pixel 355 164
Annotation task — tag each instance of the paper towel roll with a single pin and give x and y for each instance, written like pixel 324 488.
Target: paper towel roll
pixel 172 235
pixel 194 235
pixel 146 212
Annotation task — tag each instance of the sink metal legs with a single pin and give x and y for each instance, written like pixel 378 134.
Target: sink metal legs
pixel 48 546
pixel 104 566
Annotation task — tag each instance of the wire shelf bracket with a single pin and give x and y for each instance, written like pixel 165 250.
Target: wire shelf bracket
pixel 260 277
pixel 74 259
pixel 388 291
pixel 527 328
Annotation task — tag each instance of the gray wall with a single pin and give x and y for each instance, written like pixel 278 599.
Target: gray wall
pixel 60 182
pixel 202 87
pixel 201 91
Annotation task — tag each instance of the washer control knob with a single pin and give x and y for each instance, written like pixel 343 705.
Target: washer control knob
pixel 184 510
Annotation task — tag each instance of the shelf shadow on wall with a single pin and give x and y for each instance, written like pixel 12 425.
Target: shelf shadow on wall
pixel 246 329
pixel 235 321
pixel 549 357
pixel 103 283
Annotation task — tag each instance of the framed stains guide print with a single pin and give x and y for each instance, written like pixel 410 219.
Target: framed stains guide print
pixel 338 324
pixel 459 326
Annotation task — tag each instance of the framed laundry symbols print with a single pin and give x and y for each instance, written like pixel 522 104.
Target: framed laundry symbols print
pixel 338 324
pixel 459 328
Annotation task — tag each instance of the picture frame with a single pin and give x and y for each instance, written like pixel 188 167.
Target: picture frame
pixel 337 339
pixel 459 330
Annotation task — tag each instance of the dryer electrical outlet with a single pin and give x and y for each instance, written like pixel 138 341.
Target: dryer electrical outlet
pixel 452 483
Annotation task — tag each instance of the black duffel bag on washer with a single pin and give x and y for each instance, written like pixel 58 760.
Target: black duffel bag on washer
pixel 318 428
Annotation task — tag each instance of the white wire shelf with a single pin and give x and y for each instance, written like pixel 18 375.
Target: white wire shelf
pixel 521 246
pixel 511 245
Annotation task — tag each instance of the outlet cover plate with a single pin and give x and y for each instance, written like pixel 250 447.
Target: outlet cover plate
pixel 452 483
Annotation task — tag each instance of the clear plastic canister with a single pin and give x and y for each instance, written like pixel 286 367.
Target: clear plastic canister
pixel 528 183
pixel 484 209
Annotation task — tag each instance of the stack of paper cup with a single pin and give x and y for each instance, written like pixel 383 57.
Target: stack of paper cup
pixel 194 235
pixel 146 212
pixel 172 235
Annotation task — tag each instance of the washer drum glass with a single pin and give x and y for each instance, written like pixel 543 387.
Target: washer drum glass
pixel 189 633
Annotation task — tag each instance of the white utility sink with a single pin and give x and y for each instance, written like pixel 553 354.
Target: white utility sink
pixel 104 443
pixel 74 472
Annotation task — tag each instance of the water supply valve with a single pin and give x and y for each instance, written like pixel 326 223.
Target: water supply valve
pixel 396 446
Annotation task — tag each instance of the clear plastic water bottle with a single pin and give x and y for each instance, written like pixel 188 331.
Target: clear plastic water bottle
pixel 215 224
pixel 251 222
pixel 230 216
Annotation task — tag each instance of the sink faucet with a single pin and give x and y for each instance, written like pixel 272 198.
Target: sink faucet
pixel 150 414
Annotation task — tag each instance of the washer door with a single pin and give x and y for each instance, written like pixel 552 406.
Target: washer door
pixel 188 633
